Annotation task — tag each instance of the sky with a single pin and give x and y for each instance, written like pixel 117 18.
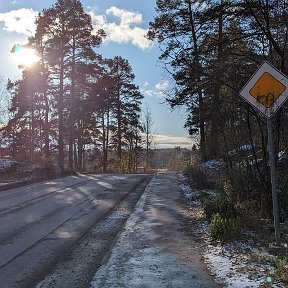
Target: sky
pixel 125 22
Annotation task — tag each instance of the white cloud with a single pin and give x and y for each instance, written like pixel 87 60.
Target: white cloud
pixel 126 17
pixel 148 93
pixel 168 141
pixel 160 90
pixel 124 31
pixel 162 86
pixel 20 21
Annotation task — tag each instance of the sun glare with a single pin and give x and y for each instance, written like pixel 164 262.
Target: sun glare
pixel 25 57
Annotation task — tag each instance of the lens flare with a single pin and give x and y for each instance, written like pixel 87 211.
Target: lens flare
pixel 24 57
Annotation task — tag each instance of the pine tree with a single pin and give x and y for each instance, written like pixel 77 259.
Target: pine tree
pixel 179 34
pixel 69 44
pixel 126 104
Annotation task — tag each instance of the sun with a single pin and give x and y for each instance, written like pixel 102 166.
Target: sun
pixel 24 57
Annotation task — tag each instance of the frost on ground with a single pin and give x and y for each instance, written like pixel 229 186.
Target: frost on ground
pixel 5 164
pixel 233 265
pixel 237 264
pixel 192 195
pixel 154 249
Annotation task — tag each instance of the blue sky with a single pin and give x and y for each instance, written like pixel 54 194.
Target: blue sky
pixel 125 23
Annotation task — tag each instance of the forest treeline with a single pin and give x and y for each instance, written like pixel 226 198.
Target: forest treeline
pixel 211 49
pixel 73 103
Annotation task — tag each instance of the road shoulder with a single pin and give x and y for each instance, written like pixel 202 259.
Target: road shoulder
pixel 155 249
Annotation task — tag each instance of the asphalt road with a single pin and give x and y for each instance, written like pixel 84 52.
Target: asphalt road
pixel 40 224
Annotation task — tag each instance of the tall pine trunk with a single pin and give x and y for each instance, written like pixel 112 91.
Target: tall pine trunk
pixel 72 112
pixel 200 93
pixel 214 141
pixel 60 115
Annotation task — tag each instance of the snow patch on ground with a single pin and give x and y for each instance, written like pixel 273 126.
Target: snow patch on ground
pixel 5 164
pixel 232 267
pixel 190 195
pixel 236 264
pixel 211 164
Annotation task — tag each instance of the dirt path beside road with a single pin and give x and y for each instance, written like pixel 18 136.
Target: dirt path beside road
pixel 155 249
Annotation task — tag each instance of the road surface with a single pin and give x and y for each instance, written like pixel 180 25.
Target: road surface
pixel 158 247
pixel 41 223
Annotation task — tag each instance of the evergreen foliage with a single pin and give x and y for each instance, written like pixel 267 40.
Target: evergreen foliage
pixel 224 229
pixel 221 206
pixel 72 103
pixel 211 49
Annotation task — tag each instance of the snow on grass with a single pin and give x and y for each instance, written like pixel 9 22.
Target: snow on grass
pixel 236 264
pixel 5 164
pixel 210 193
pixel 211 164
pixel 190 195
pixel 232 265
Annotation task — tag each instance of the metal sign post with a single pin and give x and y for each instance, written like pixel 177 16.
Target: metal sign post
pixel 267 91
pixel 273 181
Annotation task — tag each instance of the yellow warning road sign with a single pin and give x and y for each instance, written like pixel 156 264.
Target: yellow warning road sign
pixel 266 90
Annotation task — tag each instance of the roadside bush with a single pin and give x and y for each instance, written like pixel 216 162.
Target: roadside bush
pixel 204 196
pixel 282 266
pixel 279 273
pixel 198 178
pixel 221 206
pixel 223 230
